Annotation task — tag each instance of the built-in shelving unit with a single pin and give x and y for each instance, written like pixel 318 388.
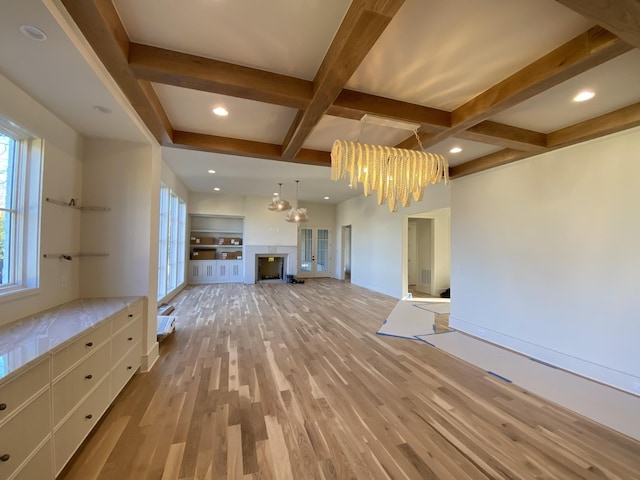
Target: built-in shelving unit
pixel 216 249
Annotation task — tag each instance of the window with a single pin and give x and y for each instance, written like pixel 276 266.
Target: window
pixel 172 242
pixel 20 175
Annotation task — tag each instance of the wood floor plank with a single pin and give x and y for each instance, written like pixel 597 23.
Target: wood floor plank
pixel 282 381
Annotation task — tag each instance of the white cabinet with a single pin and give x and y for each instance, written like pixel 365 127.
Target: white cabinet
pixel 236 273
pixel 215 271
pixel 216 249
pixel 48 410
pixel 202 271
pixel 126 347
pixel 25 428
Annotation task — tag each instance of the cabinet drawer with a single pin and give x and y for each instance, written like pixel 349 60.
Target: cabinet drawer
pixel 125 339
pixel 18 390
pixel 124 317
pixel 73 386
pixel 125 369
pixel 23 433
pixel 74 430
pixel 73 353
pixel 40 466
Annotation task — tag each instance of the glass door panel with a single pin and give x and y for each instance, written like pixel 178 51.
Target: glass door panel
pixel 322 251
pixel 306 250
pixel 314 252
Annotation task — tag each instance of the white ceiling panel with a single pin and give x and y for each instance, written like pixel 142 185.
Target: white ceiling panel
pixel 443 53
pixel 330 129
pixel 249 176
pixel 470 150
pixel 191 110
pixel 55 74
pixel 282 36
pixel 616 84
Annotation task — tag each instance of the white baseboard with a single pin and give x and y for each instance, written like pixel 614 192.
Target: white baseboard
pixel 149 360
pixel 599 373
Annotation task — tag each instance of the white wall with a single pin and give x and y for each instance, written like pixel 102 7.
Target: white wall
pixel 545 258
pixel 125 177
pixel 379 246
pixel 264 227
pixel 216 204
pixel 60 226
pixel 442 250
pixel 425 251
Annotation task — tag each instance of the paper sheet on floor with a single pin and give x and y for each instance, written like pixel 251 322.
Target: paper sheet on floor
pixel 606 405
pixel 413 317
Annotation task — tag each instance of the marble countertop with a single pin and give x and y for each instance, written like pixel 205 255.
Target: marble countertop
pixel 25 341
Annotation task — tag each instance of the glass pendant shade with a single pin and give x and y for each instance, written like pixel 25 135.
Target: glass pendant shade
pixel 297 215
pixel 279 204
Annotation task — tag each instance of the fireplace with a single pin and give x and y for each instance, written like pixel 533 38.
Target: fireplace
pixel 252 253
pixel 271 268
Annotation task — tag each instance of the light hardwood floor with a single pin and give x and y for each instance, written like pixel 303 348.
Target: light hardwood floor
pixel 283 381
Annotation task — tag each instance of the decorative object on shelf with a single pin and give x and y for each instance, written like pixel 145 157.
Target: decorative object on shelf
pixel 396 173
pixel 279 204
pixel 297 215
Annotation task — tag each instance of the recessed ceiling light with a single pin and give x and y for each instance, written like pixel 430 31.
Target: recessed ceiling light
pixel 584 95
pixel 221 111
pixel 216 189
pixel 276 194
pixel 455 150
pixel 350 185
pixel 211 171
pixel 326 198
pixel 102 109
pixel 34 33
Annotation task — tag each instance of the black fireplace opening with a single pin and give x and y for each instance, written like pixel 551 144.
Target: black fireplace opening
pixel 270 268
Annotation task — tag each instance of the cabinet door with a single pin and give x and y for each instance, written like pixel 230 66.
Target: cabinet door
pixel 40 466
pixel 236 273
pixel 23 433
pixel 222 271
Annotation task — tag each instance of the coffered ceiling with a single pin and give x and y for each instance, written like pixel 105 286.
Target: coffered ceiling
pixel 495 78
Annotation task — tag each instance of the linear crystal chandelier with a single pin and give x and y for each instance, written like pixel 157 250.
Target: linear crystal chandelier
pixel 396 174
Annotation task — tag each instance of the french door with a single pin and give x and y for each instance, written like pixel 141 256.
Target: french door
pixel 314 250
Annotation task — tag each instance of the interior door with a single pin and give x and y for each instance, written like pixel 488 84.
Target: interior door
pixel 314 251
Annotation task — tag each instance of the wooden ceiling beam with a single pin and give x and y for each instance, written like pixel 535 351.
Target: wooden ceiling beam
pixel 245 148
pixel 578 55
pixel 354 105
pixel 363 24
pixel 487 162
pixel 621 17
pixel 505 136
pixel 101 26
pixel 199 73
pixel 613 122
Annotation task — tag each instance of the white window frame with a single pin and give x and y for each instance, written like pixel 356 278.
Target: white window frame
pixel 172 242
pixel 24 243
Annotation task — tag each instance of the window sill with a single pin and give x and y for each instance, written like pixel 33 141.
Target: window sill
pixel 9 294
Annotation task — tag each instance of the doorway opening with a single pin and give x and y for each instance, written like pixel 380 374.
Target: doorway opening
pixel 428 247
pixel 346 253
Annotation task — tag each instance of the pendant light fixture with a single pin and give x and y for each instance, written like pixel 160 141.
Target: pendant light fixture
pixel 297 215
pixel 396 174
pixel 279 204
